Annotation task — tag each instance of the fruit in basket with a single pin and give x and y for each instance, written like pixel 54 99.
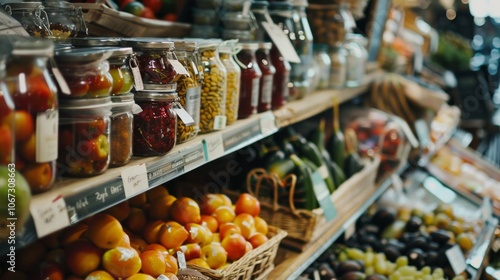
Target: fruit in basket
pixel 172 236
pixel 246 223
pixel 82 257
pixel 171 264
pixel 247 203
pixel 105 231
pixel 214 255
pixel 191 251
pixel 121 262
pixel 140 276
pixel 100 275
pixel 210 222
pixel 227 229
pixel 224 214
pixel 198 234
pixel 199 262
pixel 159 208
pixel 209 202
pixel 47 270
pixel 235 246
pixel 257 239
pixel 152 263
pixel 185 210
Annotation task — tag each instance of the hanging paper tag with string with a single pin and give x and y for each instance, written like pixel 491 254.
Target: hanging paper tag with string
pixel 136 73
pixel 183 114
pixel 281 41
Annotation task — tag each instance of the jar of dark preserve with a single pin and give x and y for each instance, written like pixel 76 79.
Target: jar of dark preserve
pixel 266 82
pixel 250 80
pixel 84 136
pixel 121 129
pixel 155 128
pixel 281 78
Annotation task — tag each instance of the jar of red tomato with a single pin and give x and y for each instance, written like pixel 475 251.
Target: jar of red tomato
pixel 119 68
pixel 266 82
pixel 36 115
pixel 154 58
pixel 250 80
pixel 281 78
pixel 155 128
pixel 84 136
pixel 86 71
pixel 121 129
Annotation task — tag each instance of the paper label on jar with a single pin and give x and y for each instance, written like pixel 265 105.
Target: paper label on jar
pixel 219 122
pixel 282 42
pixel 138 85
pixel 193 102
pixel 47 124
pixel 255 92
pixel 178 67
pixel 183 115
pixel 267 89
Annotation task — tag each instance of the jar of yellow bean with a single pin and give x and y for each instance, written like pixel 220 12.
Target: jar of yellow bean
pixel 227 52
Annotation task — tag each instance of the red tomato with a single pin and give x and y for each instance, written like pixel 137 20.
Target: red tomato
pixel 148 13
pixel 38 96
pixel 100 85
pixel 154 5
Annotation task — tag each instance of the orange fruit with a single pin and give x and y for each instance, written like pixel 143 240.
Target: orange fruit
pixel 261 225
pixel 138 243
pixel 138 200
pixel 199 262
pixel 105 231
pixel 82 257
pixel 171 264
pixel 160 207
pixel 185 210
pixel 141 276
pixel 171 236
pixel 157 247
pixel 155 193
pixel 136 220
pixel 121 262
pixel 214 254
pixel 227 229
pixel 150 231
pixel 258 239
pixel 119 211
pixel 247 203
pixel 246 223
pixel 99 275
pixel 224 214
pixel 153 263
pixel 125 241
pixel 210 222
pixel 209 202
pixel 225 198
pixel 73 233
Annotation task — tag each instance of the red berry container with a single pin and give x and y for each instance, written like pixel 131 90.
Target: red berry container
pixel 249 81
pixel 266 81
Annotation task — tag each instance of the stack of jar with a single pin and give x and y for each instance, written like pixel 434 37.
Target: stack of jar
pixel 205 19
pixel 238 22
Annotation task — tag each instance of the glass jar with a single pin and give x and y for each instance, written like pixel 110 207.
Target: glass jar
pixel 189 89
pixel 261 14
pixel 233 81
pixel 7 128
pixel 29 14
pixel 324 64
pixel 239 21
pixel 281 78
pixel 266 81
pixel 120 71
pixel 154 56
pixel 250 80
pixel 59 18
pixel 34 93
pixel 328 25
pixel 356 58
pixel 213 88
pixel 86 71
pixel 121 129
pixel 155 127
pixel 338 69
pixel 84 136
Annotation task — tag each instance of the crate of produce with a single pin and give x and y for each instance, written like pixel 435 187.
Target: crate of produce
pixel 104 21
pixel 256 264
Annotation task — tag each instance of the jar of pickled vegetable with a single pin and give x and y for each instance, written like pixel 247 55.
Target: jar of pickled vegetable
pixel 250 80
pixel 213 88
pixel 119 69
pixel 84 136
pixel 86 71
pixel 266 81
pixel 154 58
pixel 7 128
pixel 281 78
pixel 59 18
pixel 29 14
pixel 155 127
pixel 189 89
pixel 121 129
pixel 36 114
pixel 233 80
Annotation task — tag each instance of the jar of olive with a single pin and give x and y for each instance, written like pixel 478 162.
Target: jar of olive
pixel 213 88
pixel 227 53
pixel 189 89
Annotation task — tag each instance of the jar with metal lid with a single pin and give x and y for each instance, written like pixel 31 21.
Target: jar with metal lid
pixel 34 93
pixel 84 136
pixel 266 81
pixel 338 69
pixel 119 68
pixel 154 58
pixel 281 78
pixel 189 89
pixel 29 14
pixel 240 35
pixel 213 88
pixel 356 58
pixel 227 53
pixel 261 14
pixel 250 80
pixel 155 127
pixel 239 21
pixel 86 71
pixel 328 25
pixel 324 64
pixel 121 129
pixel 61 24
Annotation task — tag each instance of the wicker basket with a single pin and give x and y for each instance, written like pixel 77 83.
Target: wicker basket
pixel 256 264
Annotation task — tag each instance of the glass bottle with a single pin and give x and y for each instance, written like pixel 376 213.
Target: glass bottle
pixel 213 88
pixel 338 69
pixel 84 136
pixel 324 64
pixel 34 93
pixel 189 89
pixel 281 79
pixel 250 80
pixel 233 80
pixel 155 127
pixel 121 129
pixel 266 81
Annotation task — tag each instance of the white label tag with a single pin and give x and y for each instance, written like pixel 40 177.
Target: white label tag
pixel 323 170
pixel 63 86
pixel 267 123
pixel 135 180
pixel 456 259
pixel 281 41
pixel 214 147
pixel 49 215
pixel 47 124
pixel 181 259
pixel 193 102
pixel 138 85
pixel 178 67
pixel 349 230
pixel 183 115
pixel 220 122
pixel 267 89
pixel 255 92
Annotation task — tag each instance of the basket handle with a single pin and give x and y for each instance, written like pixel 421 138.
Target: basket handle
pixel 275 184
pixel 291 180
pixel 255 173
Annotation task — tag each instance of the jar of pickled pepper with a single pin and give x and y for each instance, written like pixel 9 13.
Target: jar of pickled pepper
pixel 84 136
pixel 213 88
pixel 121 129
pixel 34 93
pixel 250 80
pixel 266 82
pixel 154 61
pixel 155 127
pixel 189 89
pixel 227 53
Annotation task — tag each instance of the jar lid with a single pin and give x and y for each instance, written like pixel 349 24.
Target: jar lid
pixel 147 43
pixel 81 55
pixel 26 46
pixel 103 103
pixel 95 41
pixel 189 46
pixel 119 51
pixel 259 5
pixel 243 35
pixel 23 5
pixel 265 45
pixel 122 98
pixel 122 102
pixel 280 6
pixel 57 4
pixel 156 96
pixel 249 46
pixel 172 87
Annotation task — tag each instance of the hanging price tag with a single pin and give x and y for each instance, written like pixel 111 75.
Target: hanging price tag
pixel 456 259
pixel 134 66
pixel 214 146
pixel 46 142
pixel 323 196
pixel 135 180
pixel 49 214
pixel 282 42
pixel 183 114
pixel 178 67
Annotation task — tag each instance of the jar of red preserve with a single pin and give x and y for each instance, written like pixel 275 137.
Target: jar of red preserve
pixel 86 71
pixel 154 57
pixel 7 128
pixel 36 115
pixel 155 128
pixel 281 78
pixel 121 129
pixel 266 82
pixel 250 80
pixel 84 136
